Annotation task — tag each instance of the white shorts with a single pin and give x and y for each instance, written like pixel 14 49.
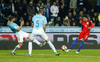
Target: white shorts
pixel 39 33
pixel 20 35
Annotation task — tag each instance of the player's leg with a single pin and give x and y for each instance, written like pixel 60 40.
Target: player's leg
pixel 81 45
pixel 72 44
pixel 45 37
pixel 20 43
pixel 36 41
pixel 85 37
pixel 30 48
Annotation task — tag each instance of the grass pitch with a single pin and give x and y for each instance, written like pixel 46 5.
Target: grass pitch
pixel 86 55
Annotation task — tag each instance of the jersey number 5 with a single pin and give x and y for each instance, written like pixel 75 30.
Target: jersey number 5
pixel 37 22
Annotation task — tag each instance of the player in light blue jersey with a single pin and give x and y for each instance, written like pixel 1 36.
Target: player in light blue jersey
pixel 20 34
pixel 39 29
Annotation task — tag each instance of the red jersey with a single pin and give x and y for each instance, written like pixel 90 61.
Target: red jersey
pixel 86 25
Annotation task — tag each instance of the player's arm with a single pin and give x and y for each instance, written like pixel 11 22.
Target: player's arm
pixel 21 24
pixel 44 27
pixel 92 25
pixel 32 25
pixel 8 22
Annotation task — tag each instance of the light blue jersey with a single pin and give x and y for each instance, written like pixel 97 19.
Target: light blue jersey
pixel 13 27
pixel 39 20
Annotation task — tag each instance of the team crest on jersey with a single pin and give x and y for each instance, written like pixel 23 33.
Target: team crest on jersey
pixel 15 27
pixel 87 22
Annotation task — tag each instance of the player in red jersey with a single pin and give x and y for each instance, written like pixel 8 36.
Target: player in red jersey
pixel 86 26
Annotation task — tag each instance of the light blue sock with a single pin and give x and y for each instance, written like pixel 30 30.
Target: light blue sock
pixel 73 43
pixel 82 43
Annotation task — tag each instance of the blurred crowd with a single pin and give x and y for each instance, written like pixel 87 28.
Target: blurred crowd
pixel 58 12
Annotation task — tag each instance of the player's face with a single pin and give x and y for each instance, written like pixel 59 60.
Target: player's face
pixel 85 19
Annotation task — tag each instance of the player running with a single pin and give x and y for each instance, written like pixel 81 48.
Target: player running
pixel 86 26
pixel 19 33
pixel 39 29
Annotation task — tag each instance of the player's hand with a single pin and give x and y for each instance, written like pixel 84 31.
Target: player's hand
pixel 89 27
pixel 22 22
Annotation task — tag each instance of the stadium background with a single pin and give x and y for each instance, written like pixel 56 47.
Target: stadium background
pixel 67 22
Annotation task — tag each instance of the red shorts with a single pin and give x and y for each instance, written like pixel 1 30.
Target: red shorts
pixel 83 35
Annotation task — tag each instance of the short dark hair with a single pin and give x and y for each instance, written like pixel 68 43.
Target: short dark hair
pixel 10 18
pixel 40 10
pixel 85 16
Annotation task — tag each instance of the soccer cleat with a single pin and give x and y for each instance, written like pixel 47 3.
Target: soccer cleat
pixel 68 50
pixel 29 55
pixel 77 52
pixel 57 54
pixel 42 44
pixel 13 53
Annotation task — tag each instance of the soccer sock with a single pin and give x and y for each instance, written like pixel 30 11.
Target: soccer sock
pixel 73 43
pixel 30 47
pixel 36 41
pixel 16 48
pixel 82 43
pixel 51 46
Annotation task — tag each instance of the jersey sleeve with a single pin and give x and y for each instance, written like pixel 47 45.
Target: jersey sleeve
pixel 45 20
pixel 92 25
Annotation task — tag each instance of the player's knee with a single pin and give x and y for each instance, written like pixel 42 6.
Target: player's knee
pixel 30 40
pixel 78 38
pixel 47 40
pixel 28 36
pixel 84 40
pixel 20 44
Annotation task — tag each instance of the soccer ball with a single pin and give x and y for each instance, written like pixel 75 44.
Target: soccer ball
pixel 64 48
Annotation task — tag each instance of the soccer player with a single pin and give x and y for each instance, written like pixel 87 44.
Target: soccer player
pixel 19 33
pixel 86 26
pixel 39 29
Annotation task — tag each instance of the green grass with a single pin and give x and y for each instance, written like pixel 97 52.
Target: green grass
pixel 86 55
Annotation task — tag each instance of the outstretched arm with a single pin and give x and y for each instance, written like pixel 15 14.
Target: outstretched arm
pixel 21 24
pixel 92 25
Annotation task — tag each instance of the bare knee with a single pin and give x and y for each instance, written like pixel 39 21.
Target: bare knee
pixel 28 36
pixel 47 40
pixel 78 38
pixel 20 44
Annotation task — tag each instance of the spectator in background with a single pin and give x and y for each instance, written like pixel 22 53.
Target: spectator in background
pixel 57 25
pixel 41 3
pixel 81 14
pixel 58 21
pixel 20 11
pixel 94 21
pixel 54 11
pixel 62 3
pixel 73 4
pixel 88 15
pixel 17 5
pixel 7 10
pixel 84 11
pixel 12 6
pixel 80 5
pixel 46 12
pixel 48 4
pixel 37 7
pixel 92 12
pixel 1 19
pixel 61 12
pixel 16 15
pixel 57 3
pixel 70 15
pixel 24 3
pixel 2 4
pixel 65 23
pixel 68 21
pixel 80 23
pixel 25 17
pixel 98 6
pixel 30 20
pixel 51 23
pixel 0 8
pixel 96 16
pixel 31 9
pixel 74 15
pixel 74 24
pixel 73 21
